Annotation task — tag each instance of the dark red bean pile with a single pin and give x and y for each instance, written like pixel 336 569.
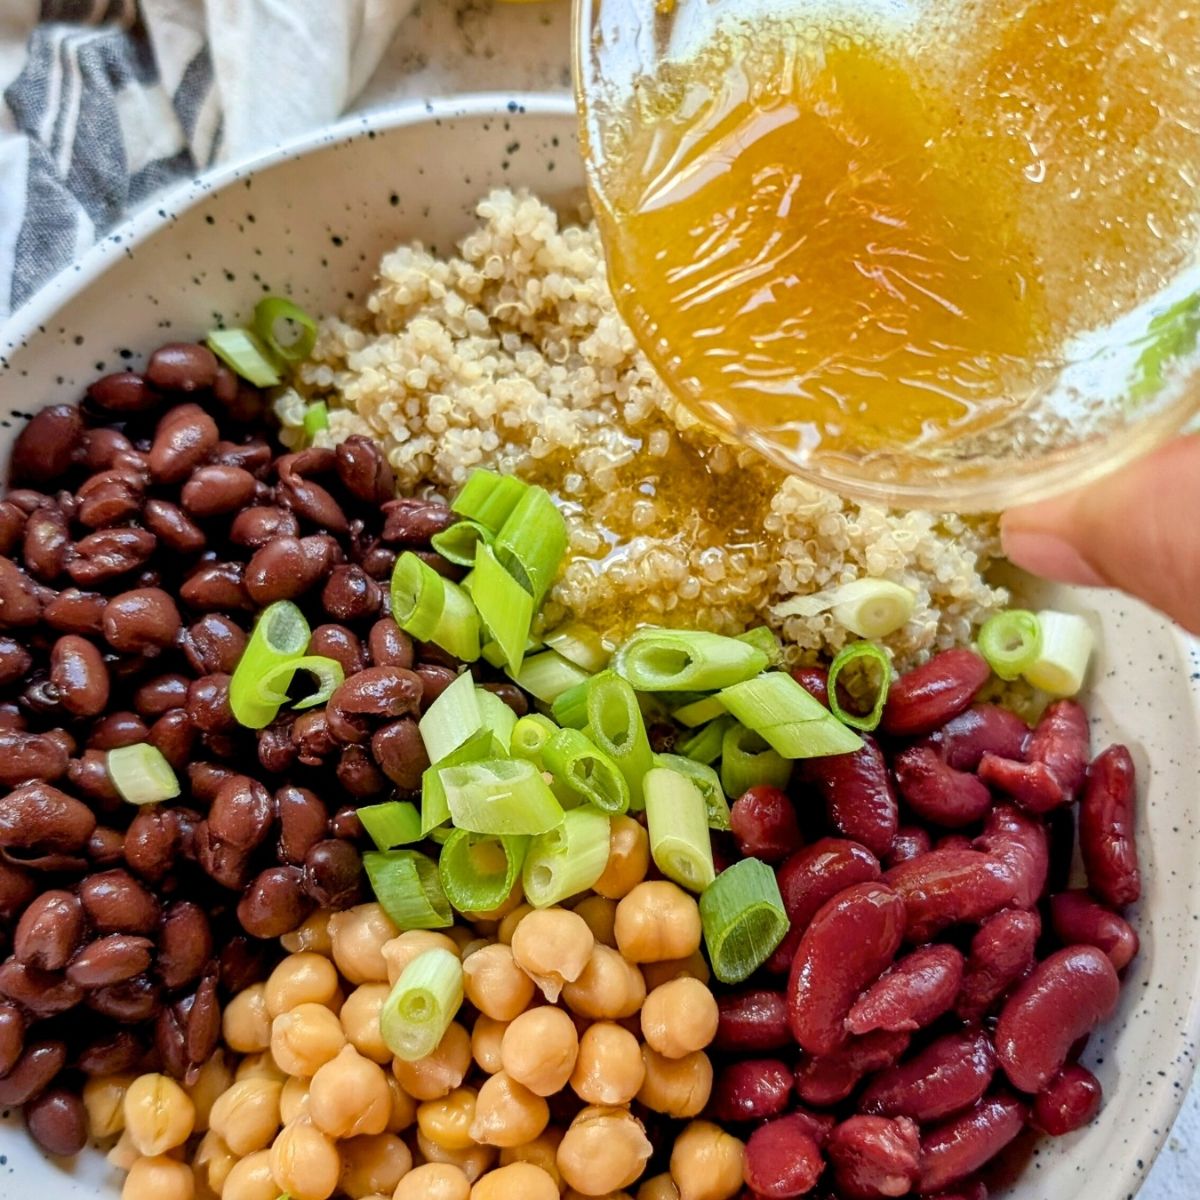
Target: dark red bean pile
pixel 940 977
pixel 144 530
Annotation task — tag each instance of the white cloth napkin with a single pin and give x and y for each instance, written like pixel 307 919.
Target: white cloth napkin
pixel 105 102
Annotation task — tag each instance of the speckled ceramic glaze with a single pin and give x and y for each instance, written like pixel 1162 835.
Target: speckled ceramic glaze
pixel 312 220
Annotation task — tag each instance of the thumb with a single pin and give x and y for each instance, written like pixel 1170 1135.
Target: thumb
pixel 1137 529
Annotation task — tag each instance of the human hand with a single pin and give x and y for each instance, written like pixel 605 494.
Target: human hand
pixel 1137 529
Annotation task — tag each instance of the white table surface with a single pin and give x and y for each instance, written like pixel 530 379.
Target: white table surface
pixel 475 45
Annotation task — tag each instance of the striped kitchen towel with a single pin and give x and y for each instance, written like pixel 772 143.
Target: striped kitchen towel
pixel 105 102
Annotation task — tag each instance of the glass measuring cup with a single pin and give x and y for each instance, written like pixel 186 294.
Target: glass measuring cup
pixel 1114 386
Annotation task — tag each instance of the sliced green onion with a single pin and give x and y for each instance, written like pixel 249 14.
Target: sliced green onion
pixel 316 418
pixel 700 712
pixel 704 746
pixel 866 654
pixel 505 607
pixel 774 704
pixel 677 820
pixel 548 675
pixel 328 673
pixel 479 870
pixel 529 737
pixel 579 644
pixel 497 716
pixel 500 795
pixel 677 660
pixel 747 761
pixel 707 780
pixel 616 727
pixel 1011 642
pixel 435 810
pixel 566 860
pixel 394 823
pixel 570 709
pixel 406 884
pixel 141 774
pixel 1062 661
pixel 764 639
pixel 434 609
pixel 268 312
pixel 280 637
pixel 532 541
pixel 489 498
pixel 743 918
pixel 452 719
pixel 871 608
pixel 418 1010
pixel 581 767
pixel 245 355
pixel 811 739
pixel 459 543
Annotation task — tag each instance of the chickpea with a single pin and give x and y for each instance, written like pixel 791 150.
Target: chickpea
pixel 609 1070
pixel 706 1163
pixel 312 935
pixel 539 1050
pixel 159 1115
pixel 572 1194
pixel 305 978
pixel 510 921
pixel 448 1121
pixel 305 1039
pixel 404 1107
pixel 156 1177
pixel 604 1150
pixel 247 1116
pixel 658 973
pixel 293 1100
pixel 517 1179
pixel 398 952
pixel 486 1039
pixel 600 915
pixel 360 1021
pixel 472 1162
pixel 305 1163
pixel 462 936
pixel 251 1179
pixel 434 1181
pixel 214 1078
pixel 213 1162
pixel 123 1153
pixel 678 1087
pixel 260 1066
pixel 439 1073
pixel 679 1017
pixel 104 1101
pixel 245 1023
pixel 494 983
pixel 542 1152
pixel 349 1096
pixel 628 859
pixel 357 938
pixel 552 946
pixel 608 988
pixel 656 921
pixel 507 1113
pixel 373 1164
pixel 661 1187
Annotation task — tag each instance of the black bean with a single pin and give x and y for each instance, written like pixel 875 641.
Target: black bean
pixel 375 692
pixel 358 774
pixel 185 438
pixel 173 527
pixel 124 392
pixel 33 1072
pixel 217 490
pixel 57 1121
pixel 78 674
pixel 111 959
pixel 108 498
pixel 182 367
pixel 347 825
pixel 364 471
pixel 88 775
pixel 388 645
pixel 17 889
pixel 12 526
pixel 49 931
pixel 185 945
pixel 115 902
pixel 106 847
pixel 111 1054
pixel 208 704
pixel 73 611
pixel 152 842
pixel 332 873
pixel 511 695
pixel 242 962
pixel 28 756
pixel 12 1036
pixel 350 594
pixel 226 864
pixel 19 603
pixel 38 816
pixel 242 813
pixel 115 730
pixel 312 503
pixel 44 449
pixel 312 737
pixel 282 570
pixel 259 526
pixel 214 587
pixel 206 779
pixel 174 735
pixel 400 753
pixel 275 902
pixel 100 448
pixel 160 694
pixel 410 522
pixel 109 554
pixel 39 993
pixel 253 455
pixel 339 643
pixel 142 620
pixel 47 545
pixel 129 1002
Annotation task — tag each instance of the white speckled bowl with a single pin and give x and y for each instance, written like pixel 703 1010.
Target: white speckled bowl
pixel 311 220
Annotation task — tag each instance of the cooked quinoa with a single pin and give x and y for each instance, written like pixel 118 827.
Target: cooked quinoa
pixel 511 355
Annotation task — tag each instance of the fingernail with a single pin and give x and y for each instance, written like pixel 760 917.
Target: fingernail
pixel 1049 556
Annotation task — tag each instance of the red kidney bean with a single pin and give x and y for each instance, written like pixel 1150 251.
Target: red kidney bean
pixel 957 1149
pixel 982 729
pixel 951 887
pixel 47 546
pixel 30 756
pixel 1056 764
pixel 108 554
pixel 182 367
pixel 173 527
pixel 1002 951
pixel 19 602
pixel 911 994
pixel 848 944
pixel 1065 997
pixel 388 645
pixel 783 1159
pixel 1078 920
pixel 1107 838
pixel 49 931
pixel 911 842
pixel 858 795
pixel 129 1002
pixel 33 1072
pixel 115 902
pixel 185 945
pixel 216 587
pixel 815 681
pixel 938 793
pixel 111 959
pixel 350 594
pixel 947 1076
pixel 275 903
pixel 160 694
pixel 364 471
pixel 40 993
pixel 217 490
pixel 1020 842
pixel 241 814
pixel 926 698
pixel 214 645
pixel 44 449
pixel 753 1021
pixel 751 1090
pixel 332 873
pixel 57 1121
pixel 123 392
pixel 36 815
pixel 141 621
pixel 874 1157
pixel 410 522
pixel 339 643
pixel 12 1037
pixel 764 823
pixel 174 736
pixel 1068 1102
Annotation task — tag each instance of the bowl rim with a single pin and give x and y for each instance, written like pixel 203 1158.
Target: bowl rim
pixel 26 324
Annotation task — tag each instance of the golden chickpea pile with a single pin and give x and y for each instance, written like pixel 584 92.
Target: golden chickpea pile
pixel 595 1008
